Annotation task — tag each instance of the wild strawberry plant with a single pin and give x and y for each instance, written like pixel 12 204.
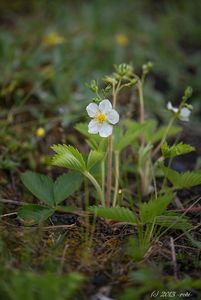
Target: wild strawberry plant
pixel 129 160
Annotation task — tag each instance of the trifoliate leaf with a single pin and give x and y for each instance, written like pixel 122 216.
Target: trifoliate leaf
pixel 39 185
pixel 93 158
pixel 68 157
pixel 65 185
pixel 153 208
pixel 122 214
pixel 178 149
pixel 158 135
pixel 182 180
pixel 32 214
pixel 173 221
pixel 123 139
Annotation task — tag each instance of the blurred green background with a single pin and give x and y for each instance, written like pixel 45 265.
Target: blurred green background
pixel 49 49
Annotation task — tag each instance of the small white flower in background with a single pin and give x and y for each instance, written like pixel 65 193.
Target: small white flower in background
pixel 184 112
pixel 103 116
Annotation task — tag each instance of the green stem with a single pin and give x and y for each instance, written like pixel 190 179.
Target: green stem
pixel 103 176
pixel 164 136
pixel 96 185
pixel 116 178
pixel 109 171
pixel 92 231
pixel 141 98
pixel 86 187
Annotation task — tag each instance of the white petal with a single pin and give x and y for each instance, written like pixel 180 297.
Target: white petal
pixel 105 106
pixel 105 130
pixel 184 114
pixel 169 105
pixel 93 127
pixel 113 116
pixel 92 109
pixel 172 108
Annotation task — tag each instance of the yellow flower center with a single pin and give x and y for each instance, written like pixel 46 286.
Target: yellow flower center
pixel 101 117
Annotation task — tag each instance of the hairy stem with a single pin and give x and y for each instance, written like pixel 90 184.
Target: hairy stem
pixel 141 98
pixel 116 178
pixel 103 176
pixel 109 171
pixel 96 185
pixel 144 175
pixel 86 188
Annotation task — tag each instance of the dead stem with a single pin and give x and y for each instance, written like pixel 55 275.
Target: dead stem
pixel 13 202
pixel 51 227
pixel 195 227
pixel 8 215
pixel 189 210
pixel 174 259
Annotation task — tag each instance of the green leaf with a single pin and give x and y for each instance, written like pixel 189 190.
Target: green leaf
pixel 122 214
pixel 83 129
pixel 173 221
pixel 194 242
pixel 153 208
pixel 67 209
pixel 93 140
pixel 33 213
pixel 66 184
pixel 182 180
pixel 144 154
pixel 123 139
pixel 158 135
pixel 149 130
pixel 175 150
pixel 68 157
pixel 92 144
pixel 93 158
pixel 39 185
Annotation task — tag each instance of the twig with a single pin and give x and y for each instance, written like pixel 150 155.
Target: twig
pixel 8 215
pixel 187 231
pixel 178 203
pixel 186 247
pixel 55 226
pixel 183 214
pixel 174 259
pixel 13 202
pixel 189 210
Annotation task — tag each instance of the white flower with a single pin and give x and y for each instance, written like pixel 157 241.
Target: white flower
pixel 172 108
pixel 103 116
pixel 184 112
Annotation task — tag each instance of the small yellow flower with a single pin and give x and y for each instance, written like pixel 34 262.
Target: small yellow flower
pixel 40 132
pixel 52 39
pixel 121 39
